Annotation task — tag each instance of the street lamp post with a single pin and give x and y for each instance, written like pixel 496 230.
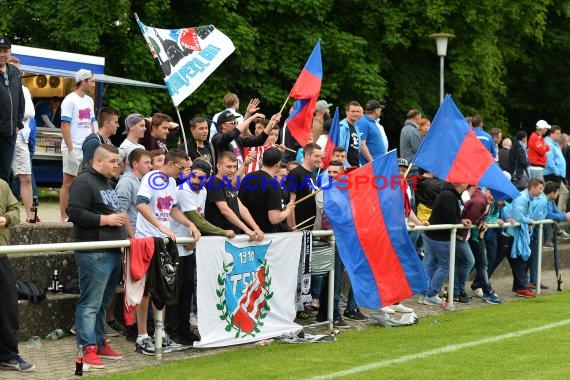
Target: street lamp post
pixel 441 45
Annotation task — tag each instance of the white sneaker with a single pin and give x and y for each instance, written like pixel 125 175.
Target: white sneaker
pixel 402 309
pixel 388 310
pixel 432 301
pixel 478 292
pixel 193 320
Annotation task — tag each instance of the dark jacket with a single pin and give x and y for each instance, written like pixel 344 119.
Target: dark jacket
pixel 193 152
pixel 163 276
pixel 221 141
pixel 504 154
pixel 446 210
pixel 518 161
pixel 91 195
pixel 476 210
pixel 12 102
pixel 427 190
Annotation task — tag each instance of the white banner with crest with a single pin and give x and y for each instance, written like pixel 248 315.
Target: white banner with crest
pixel 246 290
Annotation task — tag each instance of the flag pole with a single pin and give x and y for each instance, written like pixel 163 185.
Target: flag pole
pixel 307 227
pixel 284 104
pixel 408 169
pixel 307 196
pixel 305 221
pixel 182 128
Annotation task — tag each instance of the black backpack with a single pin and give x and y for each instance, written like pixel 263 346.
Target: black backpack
pixel 30 291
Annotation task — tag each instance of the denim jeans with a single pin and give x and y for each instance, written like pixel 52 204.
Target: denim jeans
pixel 350 304
pixel 316 285
pixel 416 238
pixel 98 278
pixel 464 262
pixel 438 265
pixel 427 262
pixel 492 239
pixel 338 273
pixel 481 265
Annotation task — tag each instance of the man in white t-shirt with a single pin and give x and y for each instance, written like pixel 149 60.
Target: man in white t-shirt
pixel 156 202
pixel 77 122
pixel 134 129
pixel 191 198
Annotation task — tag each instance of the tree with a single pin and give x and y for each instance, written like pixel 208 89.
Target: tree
pixel 496 64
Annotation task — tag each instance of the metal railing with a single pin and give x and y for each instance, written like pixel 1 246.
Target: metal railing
pixel 79 246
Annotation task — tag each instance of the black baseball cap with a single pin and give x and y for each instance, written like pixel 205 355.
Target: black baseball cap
pixel 5 43
pixel 202 165
pixel 271 157
pixel 373 104
pixel 226 116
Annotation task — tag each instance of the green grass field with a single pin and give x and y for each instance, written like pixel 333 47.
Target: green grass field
pixel 523 339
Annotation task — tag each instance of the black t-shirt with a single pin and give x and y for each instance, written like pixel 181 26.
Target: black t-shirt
pixel 203 152
pixel 282 227
pixel 260 196
pixel 352 155
pixel 302 182
pixel 220 191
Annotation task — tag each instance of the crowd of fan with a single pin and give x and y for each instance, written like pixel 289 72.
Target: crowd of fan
pixel 150 187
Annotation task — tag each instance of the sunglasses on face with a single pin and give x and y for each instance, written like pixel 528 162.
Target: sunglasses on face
pixel 179 167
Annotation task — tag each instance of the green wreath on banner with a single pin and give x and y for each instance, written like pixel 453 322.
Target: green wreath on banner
pixel 222 307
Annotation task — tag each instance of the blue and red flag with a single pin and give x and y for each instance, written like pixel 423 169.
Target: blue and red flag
pixel 371 234
pixel 464 158
pixel 333 141
pixel 306 92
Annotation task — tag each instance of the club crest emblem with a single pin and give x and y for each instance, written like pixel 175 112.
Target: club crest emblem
pixel 244 289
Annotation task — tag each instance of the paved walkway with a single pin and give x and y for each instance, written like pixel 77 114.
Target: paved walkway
pixel 47 212
pixel 55 360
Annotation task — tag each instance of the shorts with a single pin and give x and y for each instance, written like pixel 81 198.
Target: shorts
pixel 21 163
pixel 72 162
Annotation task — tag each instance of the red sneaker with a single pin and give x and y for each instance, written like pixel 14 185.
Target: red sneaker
pixel 90 357
pixel 525 293
pixel 107 352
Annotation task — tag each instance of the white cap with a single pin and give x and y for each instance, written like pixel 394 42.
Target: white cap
pixel 541 124
pixel 82 74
